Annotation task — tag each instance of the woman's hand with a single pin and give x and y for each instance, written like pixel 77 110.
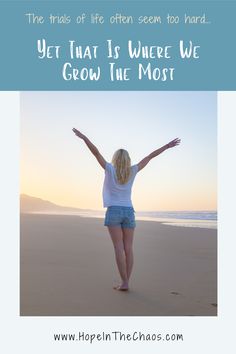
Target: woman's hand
pixel 173 143
pixel 91 147
pixel 78 133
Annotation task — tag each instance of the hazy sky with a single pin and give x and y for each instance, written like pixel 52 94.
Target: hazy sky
pixel 57 166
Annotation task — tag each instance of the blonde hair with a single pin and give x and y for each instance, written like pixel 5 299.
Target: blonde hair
pixel 121 161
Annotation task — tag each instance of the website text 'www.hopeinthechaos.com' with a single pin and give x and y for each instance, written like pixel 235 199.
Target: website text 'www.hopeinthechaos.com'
pixel 117 336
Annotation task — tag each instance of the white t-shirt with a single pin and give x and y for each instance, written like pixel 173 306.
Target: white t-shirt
pixel 115 194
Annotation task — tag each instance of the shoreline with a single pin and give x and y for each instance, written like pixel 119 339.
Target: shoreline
pixel 194 223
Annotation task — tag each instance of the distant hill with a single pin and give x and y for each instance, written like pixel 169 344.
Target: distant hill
pixel 30 204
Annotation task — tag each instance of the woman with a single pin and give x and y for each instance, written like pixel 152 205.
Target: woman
pixel 120 219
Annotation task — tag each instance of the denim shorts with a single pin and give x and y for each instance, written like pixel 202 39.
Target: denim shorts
pixel 120 216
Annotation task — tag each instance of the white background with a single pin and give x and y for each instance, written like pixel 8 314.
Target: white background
pixel 35 334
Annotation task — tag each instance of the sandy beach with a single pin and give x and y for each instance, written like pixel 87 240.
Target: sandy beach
pixel 67 268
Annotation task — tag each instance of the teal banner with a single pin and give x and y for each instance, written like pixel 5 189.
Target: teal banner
pixel 117 45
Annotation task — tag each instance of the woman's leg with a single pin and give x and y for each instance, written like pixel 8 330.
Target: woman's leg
pixel 128 235
pixel 117 239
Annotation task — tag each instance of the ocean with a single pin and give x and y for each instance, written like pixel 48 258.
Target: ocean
pixel 203 219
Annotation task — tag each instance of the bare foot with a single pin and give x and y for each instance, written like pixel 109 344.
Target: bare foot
pixel 122 287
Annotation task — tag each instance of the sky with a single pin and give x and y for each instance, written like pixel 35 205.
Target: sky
pixel 57 166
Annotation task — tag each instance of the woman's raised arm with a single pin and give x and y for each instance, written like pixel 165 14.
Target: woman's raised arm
pixel 157 152
pixel 91 147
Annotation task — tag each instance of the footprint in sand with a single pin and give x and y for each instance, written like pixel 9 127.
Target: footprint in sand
pixel 175 293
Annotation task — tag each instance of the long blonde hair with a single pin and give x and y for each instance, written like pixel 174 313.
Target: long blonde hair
pixel 121 161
